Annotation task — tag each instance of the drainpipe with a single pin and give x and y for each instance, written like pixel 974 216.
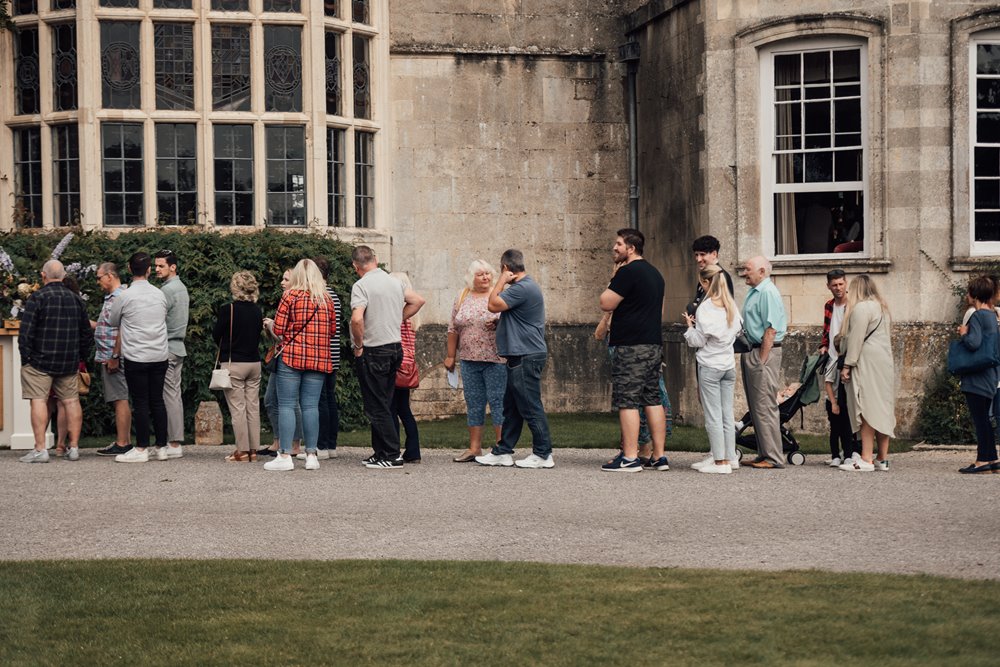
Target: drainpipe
pixel 629 54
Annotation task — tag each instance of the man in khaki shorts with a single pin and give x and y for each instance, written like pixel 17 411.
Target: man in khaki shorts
pixel 107 352
pixel 55 336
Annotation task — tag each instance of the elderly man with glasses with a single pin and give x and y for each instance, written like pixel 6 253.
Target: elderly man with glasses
pixel 107 343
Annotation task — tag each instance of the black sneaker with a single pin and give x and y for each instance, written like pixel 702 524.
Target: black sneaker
pixel 646 462
pixel 266 451
pixel 385 463
pixel 371 459
pixel 660 464
pixel 114 450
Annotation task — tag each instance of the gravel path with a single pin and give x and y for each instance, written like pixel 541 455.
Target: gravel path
pixel 921 517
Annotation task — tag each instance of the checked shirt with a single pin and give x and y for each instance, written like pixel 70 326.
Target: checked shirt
pixel 55 331
pixel 306 341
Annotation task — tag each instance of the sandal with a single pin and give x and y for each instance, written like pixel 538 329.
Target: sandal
pixel 241 457
pixel 466 457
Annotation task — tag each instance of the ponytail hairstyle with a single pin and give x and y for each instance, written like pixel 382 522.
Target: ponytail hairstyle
pixel 718 289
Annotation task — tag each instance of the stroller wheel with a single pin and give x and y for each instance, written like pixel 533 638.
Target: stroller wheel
pixel 739 454
pixel 796 458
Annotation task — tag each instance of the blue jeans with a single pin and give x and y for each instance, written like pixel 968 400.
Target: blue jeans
pixel 483 382
pixel 716 390
pixel 522 402
pixel 301 389
pixel 271 407
pixel 329 413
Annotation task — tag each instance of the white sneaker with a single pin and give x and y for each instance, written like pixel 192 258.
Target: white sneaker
pixel 857 465
pixel 312 462
pixel 168 452
pixel 73 454
pixel 321 454
pixel 491 459
pixel 698 465
pixel 35 456
pixel 734 464
pixel 882 466
pixel 536 461
pixel 134 455
pixel 834 462
pixel 282 463
pixel 713 469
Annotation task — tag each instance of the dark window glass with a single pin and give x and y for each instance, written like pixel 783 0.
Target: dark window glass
pixel 333 73
pixel 987 193
pixel 120 3
pixel 28 177
pixel 281 6
pixel 176 174
pixel 988 59
pixel 330 8
pixel 66 175
pixel 987 161
pixel 987 225
pixel 174 48
pixel 362 86
pixel 282 68
pixel 364 179
pixel 819 222
pixel 56 5
pixel 22 7
pixel 233 174
pixel 171 4
pixel 988 93
pixel 64 66
pixel 120 65
pixel 231 68
pixel 335 175
pixel 360 11
pixel 26 71
pixel 121 146
pixel 286 176
pixel 230 5
pixel 988 128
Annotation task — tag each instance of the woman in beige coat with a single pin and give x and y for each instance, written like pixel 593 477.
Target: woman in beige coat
pixel 868 373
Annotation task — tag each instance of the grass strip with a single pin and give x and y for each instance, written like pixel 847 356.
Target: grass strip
pixel 156 612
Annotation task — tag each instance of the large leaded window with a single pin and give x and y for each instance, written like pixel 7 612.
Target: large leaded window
pixel 176 174
pixel 173 44
pixel 364 179
pixel 985 129
pixel 231 60
pixel 333 73
pixel 335 178
pixel 28 177
pixel 26 71
pixel 64 67
pixel 286 176
pixel 817 149
pixel 282 68
pixel 66 174
pixel 121 145
pixel 120 65
pixel 233 175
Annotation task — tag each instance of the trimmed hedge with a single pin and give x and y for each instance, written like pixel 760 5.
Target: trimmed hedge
pixel 206 262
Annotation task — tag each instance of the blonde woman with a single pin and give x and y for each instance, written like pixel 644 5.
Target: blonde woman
pixel 472 339
pixel 868 373
pixel 237 333
pixel 305 323
pixel 712 331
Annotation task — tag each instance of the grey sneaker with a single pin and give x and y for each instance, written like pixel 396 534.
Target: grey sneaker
pixel 35 456
pixel 73 454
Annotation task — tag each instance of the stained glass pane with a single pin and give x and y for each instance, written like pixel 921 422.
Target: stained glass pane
pixel 176 179
pixel 64 66
pixel 362 78
pixel 171 4
pixel 282 68
pixel 56 5
pixel 174 48
pixel 122 148
pixel 364 179
pixel 360 11
pixel 120 65
pixel 335 175
pixel 120 3
pixel 286 176
pixel 333 73
pixel 233 174
pixel 231 68
pixel 28 177
pixel 330 8
pixel 66 172
pixel 281 6
pixel 230 5
pixel 26 71
pixel 23 7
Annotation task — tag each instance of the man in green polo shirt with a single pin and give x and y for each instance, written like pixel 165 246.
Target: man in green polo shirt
pixel 765 322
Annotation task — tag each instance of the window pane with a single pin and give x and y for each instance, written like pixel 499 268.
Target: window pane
pixel 847 165
pixel 818 93
pixel 62 4
pixel 333 73
pixel 360 11
pixel 335 178
pixel 286 175
pixel 231 5
pixel 787 94
pixel 172 4
pixel 816 67
pixel 988 93
pixel 66 174
pixel 23 7
pixel 28 177
pixel 787 70
pixel 281 6
pixel 330 8
pixel 788 168
pixel 362 87
pixel 26 71
pixel 176 186
pixel 364 179
pixel 987 193
pixel 120 65
pixel 123 174
pixel 818 222
pixel 987 226
pixel 174 47
pixel 282 68
pixel 231 68
pixel 120 3
pixel 819 167
pixel 847 65
pixel 987 162
pixel 848 115
pixel 988 128
pixel 64 67
pixel 817 118
pixel 233 170
pixel 988 59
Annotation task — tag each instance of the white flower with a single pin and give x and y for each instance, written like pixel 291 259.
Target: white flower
pixel 61 248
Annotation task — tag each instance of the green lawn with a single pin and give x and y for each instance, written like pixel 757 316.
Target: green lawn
pixel 482 613
pixel 582 430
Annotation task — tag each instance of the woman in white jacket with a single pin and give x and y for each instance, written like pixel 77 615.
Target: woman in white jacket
pixel 712 331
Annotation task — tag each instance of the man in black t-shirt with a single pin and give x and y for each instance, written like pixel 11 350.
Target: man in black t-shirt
pixel 635 295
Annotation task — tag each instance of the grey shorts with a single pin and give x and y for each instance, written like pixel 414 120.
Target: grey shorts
pixel 635 376
pixel 115 388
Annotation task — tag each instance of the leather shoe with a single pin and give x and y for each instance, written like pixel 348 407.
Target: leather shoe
pixel 764 464
pixel 973 469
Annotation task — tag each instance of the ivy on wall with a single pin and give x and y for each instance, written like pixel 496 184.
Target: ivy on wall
pixel 206 262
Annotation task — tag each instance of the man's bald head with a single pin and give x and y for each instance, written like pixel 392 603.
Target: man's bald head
pixel 53 271
pixel 755 270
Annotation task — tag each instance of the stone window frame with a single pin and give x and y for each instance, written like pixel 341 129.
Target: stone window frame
pixel 966 31
pixel 754 233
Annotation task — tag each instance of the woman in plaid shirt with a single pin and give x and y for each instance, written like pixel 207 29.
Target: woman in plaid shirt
pixel 305 323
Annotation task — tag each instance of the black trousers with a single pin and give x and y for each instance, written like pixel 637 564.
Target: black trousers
pixel 842 438
pixel 401 412
pixel 329 413
pixel 979 408
pixel 376 370
pixel 145 388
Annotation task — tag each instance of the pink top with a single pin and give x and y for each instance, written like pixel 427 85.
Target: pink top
pixel 476 328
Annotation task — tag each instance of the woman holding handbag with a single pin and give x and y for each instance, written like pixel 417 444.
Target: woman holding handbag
pixel 305 323
pixel 407 378
pixel 271 392
pixel 237 333
pixel 980 386
pixel 868 373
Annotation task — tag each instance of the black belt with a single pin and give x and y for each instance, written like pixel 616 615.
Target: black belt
pixel 757 345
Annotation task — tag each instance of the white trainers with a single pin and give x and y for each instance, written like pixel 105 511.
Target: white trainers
pixel 134 455
pixel 536 461
pixel 321 454
pixel 73 454
pixel 312 462
pixel 168 452
pixel 35 456
pixel 882 466
pixel 734 465
pixel 857 465
pixel 491 459
pixel 834 462
pixel 714 469
pixel 698 465
pixel 281 462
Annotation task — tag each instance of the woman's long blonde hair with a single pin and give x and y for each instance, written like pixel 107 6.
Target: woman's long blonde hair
pixel 718 289
pixel 862 288
pixel 407 285
pixel 306 276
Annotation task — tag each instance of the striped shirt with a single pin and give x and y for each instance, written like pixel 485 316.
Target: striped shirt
pixel 409 340
pixel 306 331
pixel 335 339
pixel 105 335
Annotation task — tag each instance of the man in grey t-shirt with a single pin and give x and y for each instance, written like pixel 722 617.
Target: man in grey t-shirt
pixel 521 340
pixel 379 304
pixel 178 308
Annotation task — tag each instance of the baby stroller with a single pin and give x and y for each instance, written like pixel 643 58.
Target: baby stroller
pixel 791 400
